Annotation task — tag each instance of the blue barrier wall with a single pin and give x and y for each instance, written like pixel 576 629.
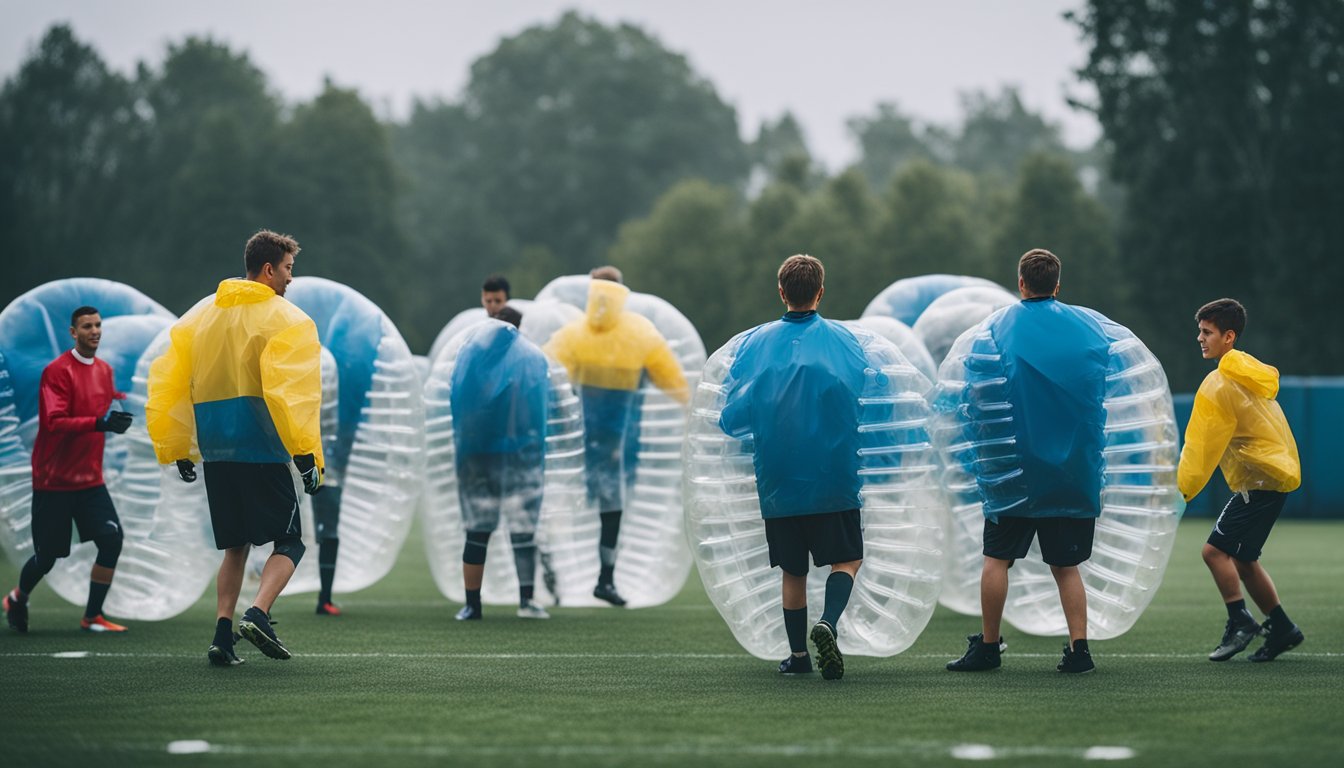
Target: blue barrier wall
pixel 1315 410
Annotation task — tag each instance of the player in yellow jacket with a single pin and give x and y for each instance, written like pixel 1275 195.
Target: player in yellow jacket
pixel 242 380
pixel 607 353
pixel 1236 424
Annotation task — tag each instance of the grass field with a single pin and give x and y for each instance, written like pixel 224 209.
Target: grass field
pixel 397 682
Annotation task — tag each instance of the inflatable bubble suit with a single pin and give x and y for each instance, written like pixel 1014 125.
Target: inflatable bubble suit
pixel 905 339
pixel 372 436
pixel 952 313
pixel 906 299
pixel 563 497
pixel 466 319
pixel 1140 503
pixel 168 556
pixel 903 511
pixel 653 559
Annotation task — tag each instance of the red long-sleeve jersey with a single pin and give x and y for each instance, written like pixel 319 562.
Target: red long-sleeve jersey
pixel 68 451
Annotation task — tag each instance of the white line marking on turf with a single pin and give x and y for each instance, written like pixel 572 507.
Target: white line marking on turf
pixel 1108 753
pixel 188 747
pixel 973 752
pixel 70 655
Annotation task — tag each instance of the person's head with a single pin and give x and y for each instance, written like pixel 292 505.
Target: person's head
pixel 1038 274
pixel 86 328
pixel 1221 323
pixel 802 281
pixel 510 315
pixel 494 294
pixel 269 259
pixel 607 272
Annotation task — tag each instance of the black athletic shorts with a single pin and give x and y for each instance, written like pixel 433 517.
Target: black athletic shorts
pixel 831 537
pixel 251 503
pixel 1065 541
pixel 89 509
pixel 326 513
pixel 1245 522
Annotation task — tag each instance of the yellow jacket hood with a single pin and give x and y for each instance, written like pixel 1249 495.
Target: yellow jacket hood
pixel 1261 379
pixel 606 302
pixel 235 291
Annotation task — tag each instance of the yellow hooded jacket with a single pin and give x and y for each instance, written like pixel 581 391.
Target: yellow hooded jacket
pixel 242 375
pixel 1237 424
pixel 610 347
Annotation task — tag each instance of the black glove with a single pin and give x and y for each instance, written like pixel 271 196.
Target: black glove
pixel 116 421
pixel 186 470
pixel 312 476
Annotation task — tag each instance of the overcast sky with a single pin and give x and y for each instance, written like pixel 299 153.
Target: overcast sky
pixel 825 62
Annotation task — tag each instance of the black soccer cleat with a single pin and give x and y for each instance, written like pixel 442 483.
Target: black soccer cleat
pixel 980 656
pixel 1238 634
pixel 1076 662
pixel 16 614
pixel 829 658
pixel 469 613
pixel 223 656
pixel 255 627
pixel 1276 641
pixel 608 593
pixel 796 665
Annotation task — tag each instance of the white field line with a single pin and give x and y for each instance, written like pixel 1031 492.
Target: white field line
pixel 78 654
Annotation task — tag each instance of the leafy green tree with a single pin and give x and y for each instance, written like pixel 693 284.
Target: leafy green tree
pixel 780 152
pixel 889 140
pixel 998 132
pixel 930 225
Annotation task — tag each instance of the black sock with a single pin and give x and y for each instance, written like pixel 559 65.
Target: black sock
pixel 224 633
pixel 326 567
pixel 474 598
pixel 795 626
pixel 97 593
pixel 838 586
pixel 1279 620
pixel 611 531
pixel 1236 608
pixel 1079 645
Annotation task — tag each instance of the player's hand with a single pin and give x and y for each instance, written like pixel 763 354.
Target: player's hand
pixel 116 421
pixel 187 470
pixel 308 470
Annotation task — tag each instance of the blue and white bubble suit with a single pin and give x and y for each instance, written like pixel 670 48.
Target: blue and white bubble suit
pixel 474 374
pixel 902 505
pixel 373 433
pixel 167 557
pixel 907 298
pixel 905 339
pixel 1140 504
pixel 949 315
pixel 466 319
pixel 653 559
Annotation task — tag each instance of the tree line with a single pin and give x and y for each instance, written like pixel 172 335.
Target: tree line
pixel 576 143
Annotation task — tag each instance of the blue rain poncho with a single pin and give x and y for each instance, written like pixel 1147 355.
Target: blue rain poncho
pixel 1034 417
pixel 795 387
pixel 500 389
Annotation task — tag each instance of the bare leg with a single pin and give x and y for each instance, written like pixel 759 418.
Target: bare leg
pixel 1073 597
pixel 1258 584
pixel 1224 571
pixel 101 574
pixel 274 576
pixel 851 567
pixel 795 591
pixel 993 594
pixel 473 575
pixel 230 581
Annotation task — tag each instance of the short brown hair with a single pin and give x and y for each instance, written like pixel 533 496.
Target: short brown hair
pixel 607 273
pixel 267 247
pixel 1224 314
pixel 1039 270
pixel 801 278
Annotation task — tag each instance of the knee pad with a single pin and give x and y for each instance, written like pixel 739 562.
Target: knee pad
pixel 522 540
pixel 109 549
pixel 474 551
pixel 292 548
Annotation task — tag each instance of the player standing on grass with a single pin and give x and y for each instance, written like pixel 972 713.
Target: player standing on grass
pixel 243 377
pixel 73 401
pixel 1237 424
pixel 807 468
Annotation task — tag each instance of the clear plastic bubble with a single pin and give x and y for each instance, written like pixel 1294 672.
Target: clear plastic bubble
pixel 1141 505
pixel 952 313
pixel 167 558
pixel 905 339
pixel 464 320
pixel 563 558
pixel 903 512
pixel 907 298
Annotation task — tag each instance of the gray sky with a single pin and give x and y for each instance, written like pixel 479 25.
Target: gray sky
pixel 823 61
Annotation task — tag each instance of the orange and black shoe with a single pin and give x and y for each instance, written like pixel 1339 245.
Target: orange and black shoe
pixel 328 609
pixel 16 613
pixel 99 624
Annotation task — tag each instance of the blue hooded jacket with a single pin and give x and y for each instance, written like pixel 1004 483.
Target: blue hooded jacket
pixel 500 392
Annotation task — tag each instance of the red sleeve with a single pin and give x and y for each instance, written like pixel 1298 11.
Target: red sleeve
pixel 56 401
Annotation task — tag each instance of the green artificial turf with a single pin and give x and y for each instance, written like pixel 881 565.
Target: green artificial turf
pixel 396 681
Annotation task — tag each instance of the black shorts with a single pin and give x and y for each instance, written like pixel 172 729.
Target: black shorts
pixel 327 513
pixel 89 509
pixel 1065 541
pixel 831 537
pixel 251 503
pixel 1245 522
pixel 493 484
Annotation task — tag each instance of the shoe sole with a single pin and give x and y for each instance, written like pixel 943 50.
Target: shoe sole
pixel 952 668
pixel 218 659
pixel 1296 641
pixel 830 660
pixel 616 601
pixel 1077 672
pixel 271 648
